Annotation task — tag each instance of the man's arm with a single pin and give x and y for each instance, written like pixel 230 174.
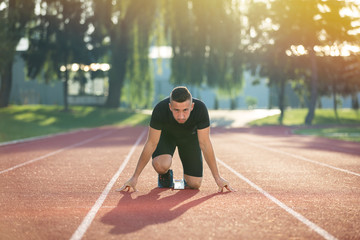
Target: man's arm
pixel 148 150
pixel 208 151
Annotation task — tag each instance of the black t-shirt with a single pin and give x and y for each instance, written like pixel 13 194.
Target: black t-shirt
pixel 163 119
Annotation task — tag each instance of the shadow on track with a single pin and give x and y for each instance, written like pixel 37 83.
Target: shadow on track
pixel 133 214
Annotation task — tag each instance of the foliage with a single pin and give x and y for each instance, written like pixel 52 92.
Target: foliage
pixel 56 40
pixel 139 87
pixel 213 42
pixel 14 18
pixel 124 27
pixel 13 21
pixel 298 23
pixel 251 102
pixel 205 38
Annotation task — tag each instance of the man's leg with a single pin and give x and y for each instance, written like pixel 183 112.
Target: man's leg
pixel 162 159
pixel 191 158
pixel 162 163
pixel 193 182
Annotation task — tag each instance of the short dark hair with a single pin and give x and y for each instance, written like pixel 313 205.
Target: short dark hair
pixel 180 94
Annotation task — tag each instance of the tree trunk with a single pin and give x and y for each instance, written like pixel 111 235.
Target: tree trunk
pixel 354 101
pixel 118 68
pixel 233 104
pixel 313 86
pixel 282 100
pixel 335 101
pixel 5 87
pixel 66 87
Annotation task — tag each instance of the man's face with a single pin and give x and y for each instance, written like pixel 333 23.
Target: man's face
pixel 181 111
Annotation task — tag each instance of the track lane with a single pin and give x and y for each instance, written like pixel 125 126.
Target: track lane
pixel 289 210
pixel 327 151
pixel 85 224
pixel 18 154
pixel 48 199
pixel 153 213
pixel 55 152
pixel 325 196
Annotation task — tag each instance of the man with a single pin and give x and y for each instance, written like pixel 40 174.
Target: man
pixel 183 122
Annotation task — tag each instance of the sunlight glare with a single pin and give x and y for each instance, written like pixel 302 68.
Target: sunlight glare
pixel 347 12
pixel 86 68
pixel 2 6
pixel 342 50
pixel 323 8
pixel 296 50
pixel 75 67
pixel 160 52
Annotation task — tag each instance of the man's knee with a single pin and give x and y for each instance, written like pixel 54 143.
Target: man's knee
pixel 193 185
pixel 162 163
pixel 193 182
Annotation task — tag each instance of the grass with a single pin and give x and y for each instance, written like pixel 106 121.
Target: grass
pixel 296 117
pixel 325 124
pixel 340 133
pixel 18 122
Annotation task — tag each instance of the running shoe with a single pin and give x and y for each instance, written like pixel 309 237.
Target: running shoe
pixel 166 180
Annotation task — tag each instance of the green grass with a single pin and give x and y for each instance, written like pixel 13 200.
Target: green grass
pixel 18 122
pixel 340 133
pixel 347 127
pixel 296 117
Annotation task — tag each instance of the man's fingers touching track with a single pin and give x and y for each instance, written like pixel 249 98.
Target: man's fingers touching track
pixel 120 189
pixel 230 189
pixel 126 188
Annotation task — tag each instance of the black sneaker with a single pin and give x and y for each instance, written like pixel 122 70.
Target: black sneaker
pixel 166 180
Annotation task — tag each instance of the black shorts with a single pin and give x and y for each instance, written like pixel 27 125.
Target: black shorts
pixel 189 152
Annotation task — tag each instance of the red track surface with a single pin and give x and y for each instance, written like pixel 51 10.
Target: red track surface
pixel 288 187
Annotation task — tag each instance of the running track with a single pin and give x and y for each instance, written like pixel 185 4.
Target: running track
pixel 288 187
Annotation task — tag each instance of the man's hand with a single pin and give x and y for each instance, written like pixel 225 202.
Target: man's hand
pixel 222 183
pixel 131 183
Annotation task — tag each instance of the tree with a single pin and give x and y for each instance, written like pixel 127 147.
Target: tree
pixel 117 24
pixel 205 38
pixel 268 42
pixel 334 69
pixel 341 78
pixel 325 26
pixel 14 17
pixel 352 75
pixel 301 25
pixel 139 83
pixel 57 40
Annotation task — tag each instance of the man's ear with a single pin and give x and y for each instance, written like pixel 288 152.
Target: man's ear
pixel 170 106
pixel 192 106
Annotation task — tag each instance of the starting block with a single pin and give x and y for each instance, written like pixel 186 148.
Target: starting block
pixel 179 184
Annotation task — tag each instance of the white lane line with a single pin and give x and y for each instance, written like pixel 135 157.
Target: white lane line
pixel 56 152
pixel 85 224
pixel 302 158
pixel 297 215
pixel 31 139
